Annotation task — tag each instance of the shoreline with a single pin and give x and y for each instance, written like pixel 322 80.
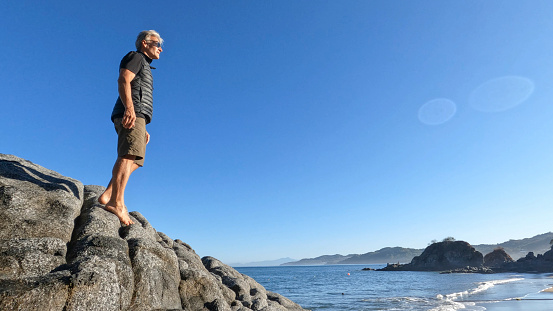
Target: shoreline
pixel 541 301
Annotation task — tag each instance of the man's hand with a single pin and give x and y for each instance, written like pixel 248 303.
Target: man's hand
pixel 129 118
pixel 147 138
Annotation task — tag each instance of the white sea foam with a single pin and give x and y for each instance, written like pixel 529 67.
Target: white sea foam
pixel 450 302
pixel 450 305
pixel 482 286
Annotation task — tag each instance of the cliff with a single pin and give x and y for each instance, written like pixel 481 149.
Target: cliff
pixel 60 250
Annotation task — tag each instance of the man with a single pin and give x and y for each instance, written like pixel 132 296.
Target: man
pixel 132 111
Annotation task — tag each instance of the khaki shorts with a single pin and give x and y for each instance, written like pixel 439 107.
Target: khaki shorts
pixel 132 141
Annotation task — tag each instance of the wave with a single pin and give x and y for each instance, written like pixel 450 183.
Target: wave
pixel 417 304
pixel 450 302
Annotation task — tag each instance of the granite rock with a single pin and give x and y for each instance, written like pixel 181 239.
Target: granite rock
pixel 249 294
pixel 61 251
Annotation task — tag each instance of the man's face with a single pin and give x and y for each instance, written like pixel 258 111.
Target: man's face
pixel 150 47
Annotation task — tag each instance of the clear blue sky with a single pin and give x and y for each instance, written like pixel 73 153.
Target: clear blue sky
pixel 299 128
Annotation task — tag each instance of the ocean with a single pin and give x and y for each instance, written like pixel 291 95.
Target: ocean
pixel 348 287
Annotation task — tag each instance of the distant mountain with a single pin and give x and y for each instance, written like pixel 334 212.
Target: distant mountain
pixel 267 263
pixel 385 255
pixel 519 248
pixel 321 260
pixel 538 244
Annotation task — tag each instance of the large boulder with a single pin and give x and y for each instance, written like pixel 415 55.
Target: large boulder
pixel 61 251
pixel 497 258
pixel 155 267
pixel 38 208
pixel 36 202
pixel 448 255
pixel 249 295
pixel 98 258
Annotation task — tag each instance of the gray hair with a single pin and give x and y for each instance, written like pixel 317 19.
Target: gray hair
pixel 146 35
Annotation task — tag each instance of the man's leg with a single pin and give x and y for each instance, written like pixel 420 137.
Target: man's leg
pixel 122 170
pixel 106 196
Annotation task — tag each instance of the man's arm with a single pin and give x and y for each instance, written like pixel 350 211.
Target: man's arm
pixel 124 87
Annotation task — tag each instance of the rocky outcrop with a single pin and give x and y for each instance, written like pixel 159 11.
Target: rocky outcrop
pixel 497 258
pixel 468 269
pixel 530 263
pixel 446 255
pixel 537 244
pixel 60 250
pixel 461 257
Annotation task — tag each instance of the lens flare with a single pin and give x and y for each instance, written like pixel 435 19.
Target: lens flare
pixel 437 111
pixel 501 94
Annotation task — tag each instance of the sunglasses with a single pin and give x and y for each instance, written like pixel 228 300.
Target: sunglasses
pixel 156 43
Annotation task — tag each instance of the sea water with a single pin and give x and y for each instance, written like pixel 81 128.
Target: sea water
pixel 349 287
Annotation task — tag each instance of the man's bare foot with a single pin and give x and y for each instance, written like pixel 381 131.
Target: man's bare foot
pixel 105 197
pixel 120 212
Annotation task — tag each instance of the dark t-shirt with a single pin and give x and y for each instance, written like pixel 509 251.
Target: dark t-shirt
pixel 133 62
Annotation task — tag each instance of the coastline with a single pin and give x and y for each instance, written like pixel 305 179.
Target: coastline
pixel 541 301
pixel 534 304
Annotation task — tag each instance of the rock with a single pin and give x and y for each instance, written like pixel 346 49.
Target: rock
pixel 446 255
pixel 548 256
pixel 283 301
pixel 36 202
pixel 21 258
pixel 249 294
pixel 102 275
pixel 497 258
pixel 482 270
pixel 453 254
pixel 529 256
pixel 199 290
pixel 155 268
pixel 61 251
pixel 48 292
pixel 38 208
pixel 530 263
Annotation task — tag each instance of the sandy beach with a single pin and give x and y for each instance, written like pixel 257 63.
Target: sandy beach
pixel 542 301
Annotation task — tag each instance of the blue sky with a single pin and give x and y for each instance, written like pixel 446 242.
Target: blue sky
pixel 299 128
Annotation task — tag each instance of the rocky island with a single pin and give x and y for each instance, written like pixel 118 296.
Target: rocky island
pixel 60 250
pixel 450 256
